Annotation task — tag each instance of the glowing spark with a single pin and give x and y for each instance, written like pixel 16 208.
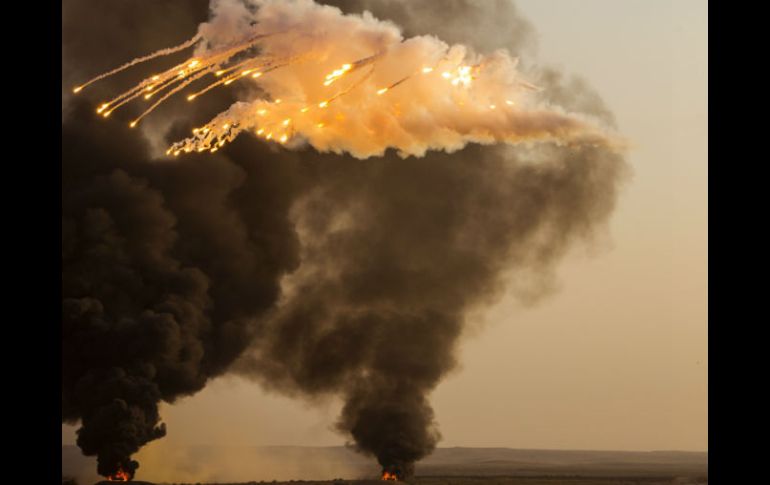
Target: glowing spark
pixel 463 76
pixel 162 52
pixel 248 56
pixel 337 73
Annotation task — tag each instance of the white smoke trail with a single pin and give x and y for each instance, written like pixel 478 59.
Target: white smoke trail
pixel 138 60
pixel 352 83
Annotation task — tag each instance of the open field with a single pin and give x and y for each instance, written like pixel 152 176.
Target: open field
pixel 447 466
pixel 533 480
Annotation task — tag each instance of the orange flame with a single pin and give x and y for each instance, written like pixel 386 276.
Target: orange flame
pixel 119 476
pixel 386 475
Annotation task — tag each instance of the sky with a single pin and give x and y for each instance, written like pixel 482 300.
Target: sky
pixel 616 358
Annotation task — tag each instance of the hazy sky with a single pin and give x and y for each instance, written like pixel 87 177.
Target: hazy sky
pixel 617 358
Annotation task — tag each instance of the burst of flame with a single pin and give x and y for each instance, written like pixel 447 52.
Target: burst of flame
pixel 462 76
pixel 119 476
pixel 386 475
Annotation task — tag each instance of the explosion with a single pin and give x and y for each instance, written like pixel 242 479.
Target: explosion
pixel 338 82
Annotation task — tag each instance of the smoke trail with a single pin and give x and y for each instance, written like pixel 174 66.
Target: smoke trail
pixel 322 273
pixel 162 52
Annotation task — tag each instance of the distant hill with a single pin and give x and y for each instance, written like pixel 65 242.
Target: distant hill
pixel 222 463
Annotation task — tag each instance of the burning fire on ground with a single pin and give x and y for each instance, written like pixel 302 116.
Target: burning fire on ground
pixel 119 476
pixel 386 475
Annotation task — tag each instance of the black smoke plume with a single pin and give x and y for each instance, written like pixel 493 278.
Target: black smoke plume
pixel 318 274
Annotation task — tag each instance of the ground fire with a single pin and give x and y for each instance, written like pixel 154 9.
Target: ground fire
pixel 386 475
pixel 119 476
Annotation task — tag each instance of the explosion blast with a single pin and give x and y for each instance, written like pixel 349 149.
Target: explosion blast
pixel 348 83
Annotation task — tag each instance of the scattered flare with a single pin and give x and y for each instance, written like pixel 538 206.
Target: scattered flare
pixel 313 55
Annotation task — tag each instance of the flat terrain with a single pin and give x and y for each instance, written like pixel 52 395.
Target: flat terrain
pixel 446 466
pixel 534 480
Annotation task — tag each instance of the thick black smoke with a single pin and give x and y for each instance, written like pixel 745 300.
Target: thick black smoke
pixel 322 273
pixel 394 255
pixel 167 271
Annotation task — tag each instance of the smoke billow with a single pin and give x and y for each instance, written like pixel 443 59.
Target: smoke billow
pixel 167 270
pixel 313 273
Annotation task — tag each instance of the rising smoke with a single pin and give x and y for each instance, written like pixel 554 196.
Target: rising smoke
pixel 323 274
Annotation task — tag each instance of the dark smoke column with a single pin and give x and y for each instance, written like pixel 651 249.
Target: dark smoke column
pixel 396 253
pixel 167 270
